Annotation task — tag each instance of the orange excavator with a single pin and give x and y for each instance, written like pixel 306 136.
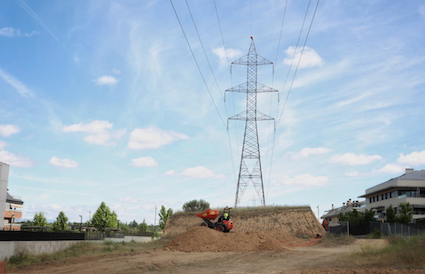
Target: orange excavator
pixel 223 224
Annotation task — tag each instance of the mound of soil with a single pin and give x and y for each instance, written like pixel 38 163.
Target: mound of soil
pixel 299 221
pixel 203 239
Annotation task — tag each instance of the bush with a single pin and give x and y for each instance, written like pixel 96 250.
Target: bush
pixel 376 234
pixel 195 205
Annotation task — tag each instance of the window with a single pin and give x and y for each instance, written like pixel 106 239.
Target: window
pixel 390 194
pixel 386 196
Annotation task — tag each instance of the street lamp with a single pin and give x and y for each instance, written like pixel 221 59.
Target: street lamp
pixel 11 218
pixel 81 221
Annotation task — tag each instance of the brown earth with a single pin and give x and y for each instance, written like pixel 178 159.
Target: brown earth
pixel 203 239
pixel 305 260
pixel 291 221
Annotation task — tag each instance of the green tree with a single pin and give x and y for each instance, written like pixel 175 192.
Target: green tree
pixel 103 217
pixel 405 214
pixel 195 205
pixel 368 216
pixel 133 224
pixel 164 215
pixel 39 219
pixel 143 227
pixel 61 222
pixel 391 216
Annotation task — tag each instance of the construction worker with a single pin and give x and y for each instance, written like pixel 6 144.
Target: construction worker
pixel 225 216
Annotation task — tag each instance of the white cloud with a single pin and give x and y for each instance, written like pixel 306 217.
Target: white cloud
pixel 352 159
pixel 144 162
pixel 221 54
pixel 305 152
pixel 16 84
pixel 106 80
pixel 3 145
pixel 201 172
pixel 353 174
pixel 392 169
pixel 116 71
pixel 99 132
pixel 152 137
pixel 310 58
pixel 15 160
pixel 11 32
pixel 413 159
pixel 8 130
pixel 170 173
pixel 302 180
pixel 67 163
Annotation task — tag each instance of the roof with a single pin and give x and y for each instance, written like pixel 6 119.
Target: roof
pixel 416 175
pixel 10 199
pixel 339 210
pixel 3 163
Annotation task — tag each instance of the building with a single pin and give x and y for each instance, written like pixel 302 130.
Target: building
pixel 13 211
pixel 409 187
pixel 331 216
pixel 10 206
pixel 4 176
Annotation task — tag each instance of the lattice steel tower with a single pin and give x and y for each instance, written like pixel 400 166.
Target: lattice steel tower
pixel 251 146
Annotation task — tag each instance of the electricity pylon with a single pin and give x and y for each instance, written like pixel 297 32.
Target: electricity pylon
pixel 251 146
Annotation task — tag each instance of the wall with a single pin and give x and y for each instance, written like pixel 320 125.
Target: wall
pixel 130 238
pixel 4 176
pixel 10 248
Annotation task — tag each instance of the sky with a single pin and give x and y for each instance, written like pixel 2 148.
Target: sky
pixel 103 101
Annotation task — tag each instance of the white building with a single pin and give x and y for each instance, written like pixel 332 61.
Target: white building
pixel 409 187
pixel 4 176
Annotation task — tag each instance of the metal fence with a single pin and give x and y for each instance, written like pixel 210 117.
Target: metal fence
pixel 40 236
pixel 387 229
pixel 114 234
pixel 94 236
pixel 139 233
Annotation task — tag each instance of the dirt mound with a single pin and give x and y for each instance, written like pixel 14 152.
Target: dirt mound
pixel 284 221
pixel 203 239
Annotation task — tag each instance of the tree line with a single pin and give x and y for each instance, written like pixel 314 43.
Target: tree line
pixel 105 218
pixel 404 215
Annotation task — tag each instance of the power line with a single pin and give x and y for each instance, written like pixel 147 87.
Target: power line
pixel 274 132
pixel 215 79
pixel 197 65
pixel 295 73
pixel 231 79
pixel 299 61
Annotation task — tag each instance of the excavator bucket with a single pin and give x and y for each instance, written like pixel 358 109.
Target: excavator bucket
pixel 208 214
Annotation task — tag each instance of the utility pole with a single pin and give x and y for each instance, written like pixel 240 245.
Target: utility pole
pixel 154 222
pixel 250 165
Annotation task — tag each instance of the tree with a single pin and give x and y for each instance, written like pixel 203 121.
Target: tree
pixel 103 217
pixel 195 205
pixel 133 224
pixel 164 215
pixel 405 213
pixel 39 219
pixel 60 223
pixel 355 217
pixel 143 227
pixel 368 216
pixel 391 217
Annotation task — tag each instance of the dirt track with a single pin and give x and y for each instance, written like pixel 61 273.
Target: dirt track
pixel 313 259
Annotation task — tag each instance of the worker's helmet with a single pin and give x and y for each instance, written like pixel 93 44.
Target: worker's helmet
pixel 226 215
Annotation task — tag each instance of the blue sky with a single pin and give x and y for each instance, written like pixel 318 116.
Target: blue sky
pixel 102 101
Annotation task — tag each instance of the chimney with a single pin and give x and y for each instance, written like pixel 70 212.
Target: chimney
pixel 333 207
pixel 343 204
pixel 408 170
pixel 349 202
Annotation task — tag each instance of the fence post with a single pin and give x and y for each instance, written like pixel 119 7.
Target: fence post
pixel 402 230
pixel 348 228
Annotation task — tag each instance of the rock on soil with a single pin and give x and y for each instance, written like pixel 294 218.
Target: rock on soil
pixel 203 239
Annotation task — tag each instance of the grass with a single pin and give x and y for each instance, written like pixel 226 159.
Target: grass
pixel 247 212
pixel 84 249
pixel 401 252
pixel 333 240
